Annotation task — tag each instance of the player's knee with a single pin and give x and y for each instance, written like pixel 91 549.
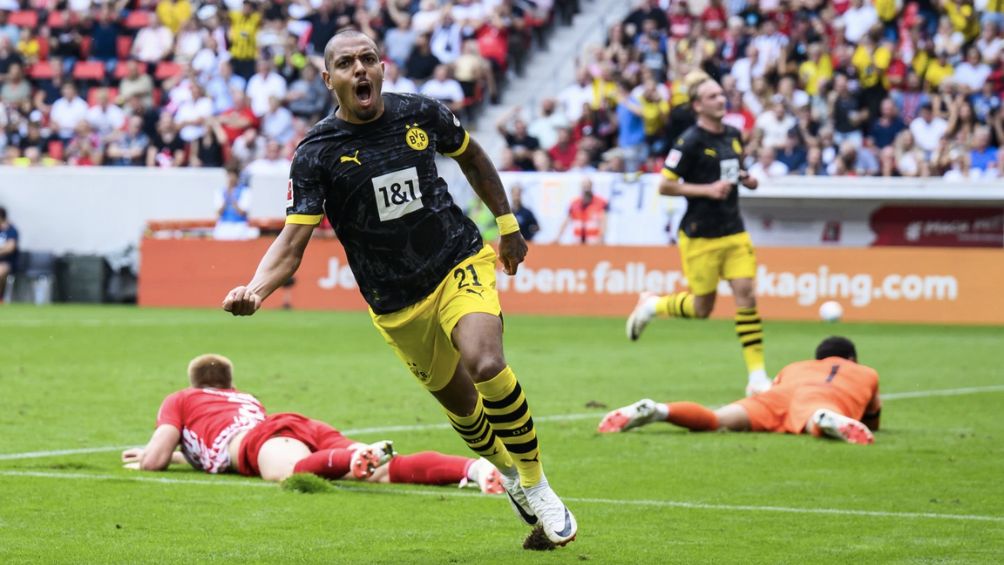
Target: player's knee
pixel 486 367
pixel 703 309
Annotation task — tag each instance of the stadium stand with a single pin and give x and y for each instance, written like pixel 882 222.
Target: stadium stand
pixel 181 43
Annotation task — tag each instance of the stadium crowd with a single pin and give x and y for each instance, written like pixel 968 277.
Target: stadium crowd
pixel 907 88
pixel 186 83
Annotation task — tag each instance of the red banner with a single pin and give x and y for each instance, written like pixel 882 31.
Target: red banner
pixel 924 226
pixel 873 284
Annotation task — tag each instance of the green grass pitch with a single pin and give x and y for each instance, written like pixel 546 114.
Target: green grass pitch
pixel 76 378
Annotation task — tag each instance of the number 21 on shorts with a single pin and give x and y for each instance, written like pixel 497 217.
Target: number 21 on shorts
pixel 397 193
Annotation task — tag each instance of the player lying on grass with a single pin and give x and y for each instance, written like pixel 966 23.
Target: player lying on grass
pixel 221 429
pixel 833 396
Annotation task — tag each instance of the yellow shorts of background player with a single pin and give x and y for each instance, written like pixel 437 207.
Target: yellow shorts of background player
pixel 706 260
pixel 420 334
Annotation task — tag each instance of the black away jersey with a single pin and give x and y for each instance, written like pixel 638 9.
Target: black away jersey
pixel 378 184
pixel 702 157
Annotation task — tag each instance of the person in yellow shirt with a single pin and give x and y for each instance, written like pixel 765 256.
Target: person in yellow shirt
pixel 816 70
pixel 963 17
pixel 243 36
pixel 871 61
pixel 174 13
pixel 937 71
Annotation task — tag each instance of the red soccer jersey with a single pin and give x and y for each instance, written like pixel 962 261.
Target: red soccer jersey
pixel 208 419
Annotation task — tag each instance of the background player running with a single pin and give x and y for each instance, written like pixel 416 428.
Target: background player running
pixel 421 265
pixel 833 396
pixel 705 165
pixel 221 429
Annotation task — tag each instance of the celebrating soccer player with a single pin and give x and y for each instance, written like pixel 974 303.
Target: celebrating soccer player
pixel 833 396
pixel 705 165
pixel 221 429
pixel 421 265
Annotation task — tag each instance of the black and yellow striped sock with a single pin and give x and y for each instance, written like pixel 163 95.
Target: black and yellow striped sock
pixel 509 415
pixel 676 305
pixel 749 329
pixel 477 432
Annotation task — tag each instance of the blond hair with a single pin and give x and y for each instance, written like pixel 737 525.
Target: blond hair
pixel 211 371
pixel 693 81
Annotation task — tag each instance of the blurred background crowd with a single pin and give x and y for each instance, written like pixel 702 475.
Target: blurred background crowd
pixel 818 87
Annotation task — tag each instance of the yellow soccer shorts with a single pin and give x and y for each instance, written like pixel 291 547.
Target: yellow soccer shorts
pixel 420 334
pixel 706 260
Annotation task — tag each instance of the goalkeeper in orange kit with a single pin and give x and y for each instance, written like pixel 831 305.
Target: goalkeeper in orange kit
pixel 831 396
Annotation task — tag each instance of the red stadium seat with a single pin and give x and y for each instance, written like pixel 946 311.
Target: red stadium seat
pixel 166 69
pixel 122 67
pixel 123 46
pixel 137 19
pixel 89 70
pixel 85 46
pixel 41 71
pixel 58 20
pixel 24 18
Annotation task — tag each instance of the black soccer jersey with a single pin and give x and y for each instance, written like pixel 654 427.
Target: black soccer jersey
pixel 378 184
pixel 702 157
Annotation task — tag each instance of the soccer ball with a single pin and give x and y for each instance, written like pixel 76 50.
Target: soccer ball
pixel 830 311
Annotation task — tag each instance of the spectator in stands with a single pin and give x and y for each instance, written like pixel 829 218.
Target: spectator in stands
pixel 587 215
pixel 421 63
pixel 166 149
pixel 153 43
pixel 15 90
pixel 631 128
pixel 984 158
pixel 574 96
pixel 33 137
pixel 471 70
pixel 8 56
pixel 128 148
pixel 271 163
pixel 248 147
pixel 427 17
pixel 444 88
pixel 243 36
pixel 528 226
pixel 986 103
pixel 393 81
pixel 193 114
pixel 82 150
pixel 8 250
pixel 232 205
pixel 858 20
pixel 136 83
pixel 542 162
pixel 29 47
pixel 519 139
pixel 330 16
pixel 793 154
pixel 68 112
pixel 845 111
pixel 207 151
pixel 973 73
pixel 174 13
pixel 445 41
pixel 814 166
pixel 563 152
pixel 766 166
pixel 399 39
pixel 265 84
pixel 222 86
pixel 990 44
pixel 308 97
pixel 104 116
pixel 104 33
pixel 887 125
pixel 928 129
pixel 546 125
pixel 911 161
pixel 277 123
pixel 775 124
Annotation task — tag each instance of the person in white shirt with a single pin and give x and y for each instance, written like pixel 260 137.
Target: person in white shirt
pixel 776 124
pixel 272 163
pixel 265 84
pixel 858 20
pixel 745 69
pixel 574 96
pixel 445 89
pixel 192 114
pixel 277 123
pixel 67 112
pixel 769 44
pixel 766 167
pixel 104 116
pixel 973 72
pixel 394 82
pixel 989 44
pixel 928 129
pixel 446 41
pixel 153 42
pixel 546 125
pixel 427 17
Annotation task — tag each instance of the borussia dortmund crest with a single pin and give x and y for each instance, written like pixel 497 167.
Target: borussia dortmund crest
pixel 416 138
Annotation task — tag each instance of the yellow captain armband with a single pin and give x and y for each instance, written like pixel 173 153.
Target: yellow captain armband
pixel 507 224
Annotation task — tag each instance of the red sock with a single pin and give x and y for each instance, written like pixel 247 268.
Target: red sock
pixel 692 416
pixel 429 468
pixel 327 463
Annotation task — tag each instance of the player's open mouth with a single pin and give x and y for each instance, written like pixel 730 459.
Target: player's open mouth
pixel 364 93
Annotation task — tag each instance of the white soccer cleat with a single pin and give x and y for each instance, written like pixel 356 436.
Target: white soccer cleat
pixel 558 523
pixel 758 382
pixel 367 458
pixel 642 314
pixel 485 476
pixel 517 499
pixel 841 427
pixel 631 416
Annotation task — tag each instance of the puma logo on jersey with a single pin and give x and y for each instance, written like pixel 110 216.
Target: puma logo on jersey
pixel 353 159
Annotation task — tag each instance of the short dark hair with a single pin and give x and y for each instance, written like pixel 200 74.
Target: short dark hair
pixel 211 371
pixel 329 51
pixel 836 346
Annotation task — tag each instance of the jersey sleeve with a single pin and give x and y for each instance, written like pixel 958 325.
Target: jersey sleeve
pixel 452 138
pixel 305 190
pixel 171 411
pixel 679 160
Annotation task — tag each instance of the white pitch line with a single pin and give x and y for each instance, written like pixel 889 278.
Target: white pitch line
pixel 605 501
pixel 443 426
